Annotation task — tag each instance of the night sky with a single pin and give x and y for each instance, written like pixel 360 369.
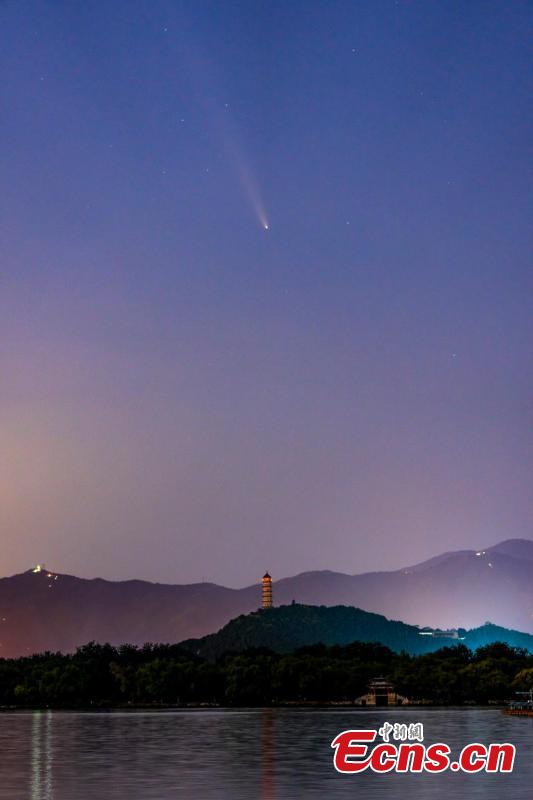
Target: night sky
pixel 186 395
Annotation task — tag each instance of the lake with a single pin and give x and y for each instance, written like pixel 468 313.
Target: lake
pixel 265 754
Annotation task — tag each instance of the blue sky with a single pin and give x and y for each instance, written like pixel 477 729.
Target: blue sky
pixel 187 395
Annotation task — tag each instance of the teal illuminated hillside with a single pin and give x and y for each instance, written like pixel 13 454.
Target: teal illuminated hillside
pixel 286 628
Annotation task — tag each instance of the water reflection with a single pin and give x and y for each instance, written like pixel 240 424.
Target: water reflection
pixel 267 754
pixel 41 756
pixel 271 754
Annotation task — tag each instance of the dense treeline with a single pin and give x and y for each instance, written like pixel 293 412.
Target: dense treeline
pixel 101 675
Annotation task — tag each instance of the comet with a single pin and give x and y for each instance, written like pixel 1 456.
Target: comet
pixel 225 127
pixel 247 180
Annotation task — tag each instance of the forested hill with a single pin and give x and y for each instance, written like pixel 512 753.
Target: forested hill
pixel 286 628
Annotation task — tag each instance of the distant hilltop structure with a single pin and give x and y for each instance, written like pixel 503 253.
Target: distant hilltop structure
pixel 437 633
pixel 266 590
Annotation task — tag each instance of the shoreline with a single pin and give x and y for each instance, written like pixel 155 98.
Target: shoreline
pixel 292 706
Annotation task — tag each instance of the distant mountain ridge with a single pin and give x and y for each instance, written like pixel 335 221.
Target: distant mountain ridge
pixel 287 628
pixel 515 548
pixel 465 587
pixel 43 610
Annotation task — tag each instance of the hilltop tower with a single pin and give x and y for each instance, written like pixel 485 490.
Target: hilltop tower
pixel 267 590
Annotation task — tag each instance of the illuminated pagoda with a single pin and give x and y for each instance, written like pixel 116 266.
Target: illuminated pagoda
pixel 267 590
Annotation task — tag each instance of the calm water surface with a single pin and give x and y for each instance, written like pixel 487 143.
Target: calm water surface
pixel 276 754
